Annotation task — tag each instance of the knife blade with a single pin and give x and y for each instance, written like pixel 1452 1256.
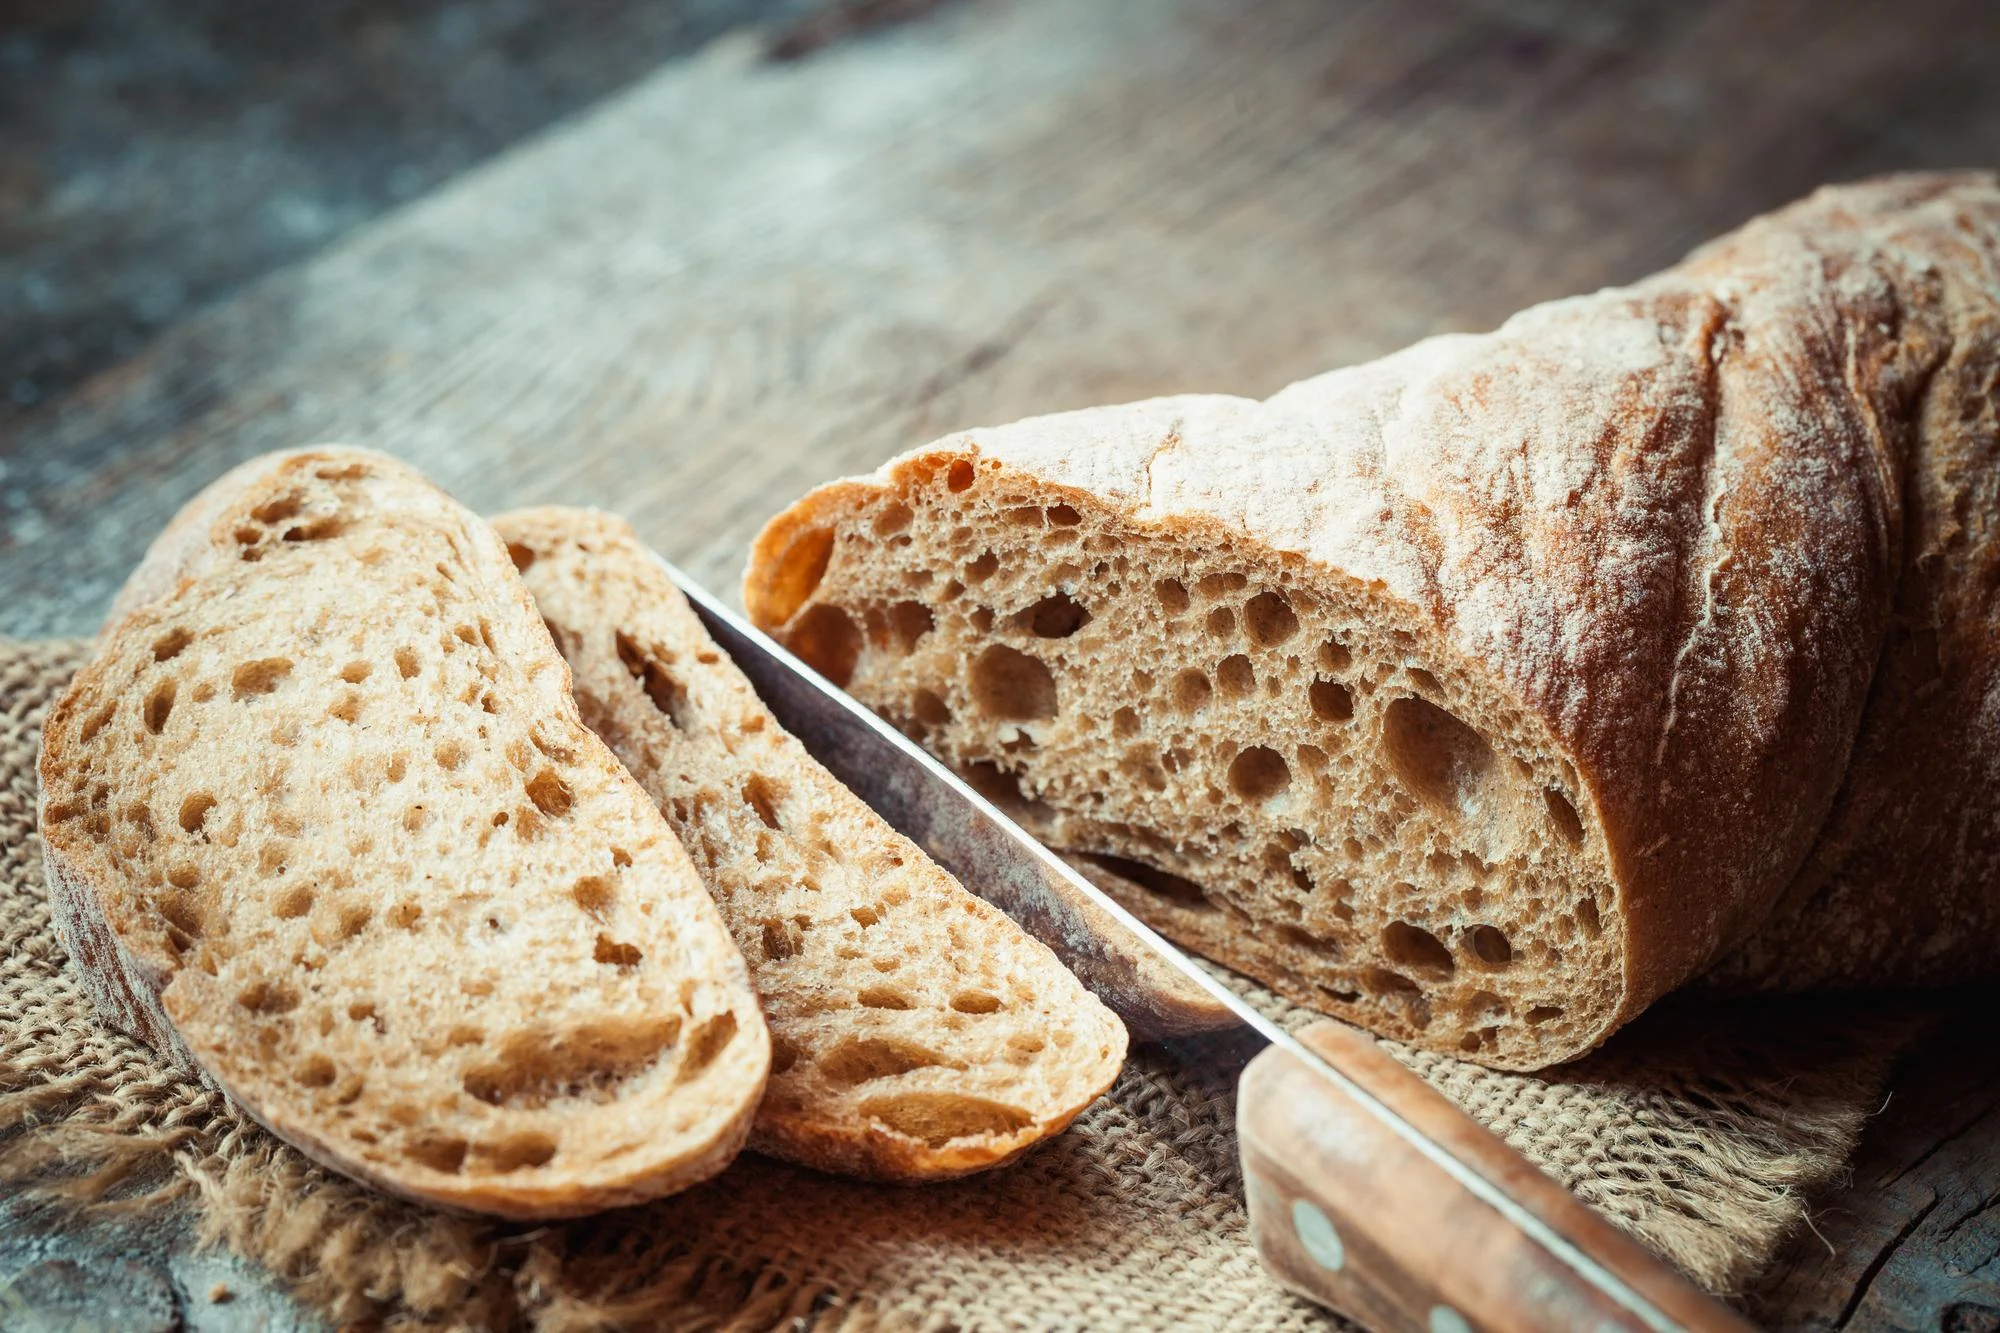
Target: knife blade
pixel 1554 1257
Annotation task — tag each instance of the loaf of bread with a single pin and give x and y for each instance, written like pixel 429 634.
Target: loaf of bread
pixel 917 1033
pixel 321 822
pixel 1486 692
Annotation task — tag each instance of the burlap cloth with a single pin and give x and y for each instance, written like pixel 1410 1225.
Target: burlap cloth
pixel 1702 1132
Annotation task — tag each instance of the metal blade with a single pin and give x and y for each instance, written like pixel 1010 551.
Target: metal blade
pixel 1153 986
pixel 997 859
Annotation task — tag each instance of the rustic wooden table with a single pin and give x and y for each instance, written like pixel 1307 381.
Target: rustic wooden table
pixel 746 275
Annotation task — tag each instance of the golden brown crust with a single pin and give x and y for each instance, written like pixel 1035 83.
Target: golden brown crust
pixel 1678 524
pixel 1903 885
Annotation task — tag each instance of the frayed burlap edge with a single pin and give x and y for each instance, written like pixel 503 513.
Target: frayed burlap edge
pixel 1703 1131
pixel 1708 1133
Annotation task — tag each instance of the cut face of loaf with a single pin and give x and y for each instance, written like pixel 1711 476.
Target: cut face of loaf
pixel 321 820
pixel 1493 689
pixel 917 1032
pixel 1372 829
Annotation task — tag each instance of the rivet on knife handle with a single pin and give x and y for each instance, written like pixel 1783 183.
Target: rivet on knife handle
pixel 1350 1215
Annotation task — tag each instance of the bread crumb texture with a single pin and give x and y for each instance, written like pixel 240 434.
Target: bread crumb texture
pixel 329 801
pixel 1486 692
pixel 917 1032
pixel 1192 718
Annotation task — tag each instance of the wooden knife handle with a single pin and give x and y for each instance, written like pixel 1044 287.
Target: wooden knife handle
pixel 1349 1213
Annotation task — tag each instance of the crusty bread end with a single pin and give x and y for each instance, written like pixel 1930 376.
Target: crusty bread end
pixel 1486 692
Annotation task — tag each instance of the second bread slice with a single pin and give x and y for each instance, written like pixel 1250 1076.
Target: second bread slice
pixel 917 1033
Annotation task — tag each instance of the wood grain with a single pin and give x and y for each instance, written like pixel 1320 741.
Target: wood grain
pixel 742 277
pixel 1346 1212
pixel 1914 1242
pixel 159 154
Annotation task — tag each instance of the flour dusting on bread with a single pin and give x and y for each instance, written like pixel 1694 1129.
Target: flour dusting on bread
pixel 1486 692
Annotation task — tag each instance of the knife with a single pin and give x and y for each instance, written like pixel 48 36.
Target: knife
pixel 1367 1190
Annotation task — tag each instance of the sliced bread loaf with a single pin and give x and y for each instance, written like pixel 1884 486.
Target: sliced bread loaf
pixel 1484 693
pixel 917 1032
pixel 321 822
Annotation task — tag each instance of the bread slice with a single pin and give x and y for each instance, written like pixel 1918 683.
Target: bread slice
pixel 321 822
pixel 1484 693
pixel 918 1032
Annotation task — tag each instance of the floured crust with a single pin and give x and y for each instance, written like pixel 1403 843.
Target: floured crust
pixel 919 1034
pixel 1663 533
pixel 268 816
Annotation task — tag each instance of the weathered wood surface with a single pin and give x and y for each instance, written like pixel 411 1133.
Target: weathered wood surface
pixel 743 277
pixel 1914 1242
pixel 158 154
